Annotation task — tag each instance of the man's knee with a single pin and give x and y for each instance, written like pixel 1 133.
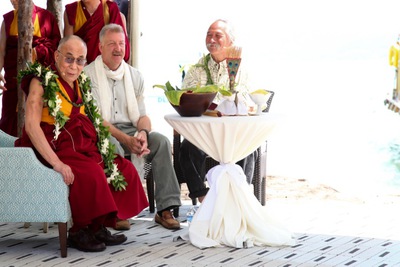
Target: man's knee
pixel 158 141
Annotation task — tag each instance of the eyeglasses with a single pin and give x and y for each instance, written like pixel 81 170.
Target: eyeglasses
pixel 71 60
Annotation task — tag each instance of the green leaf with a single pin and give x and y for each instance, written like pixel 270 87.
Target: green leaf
pixel 167 87
pixel 206 89
pixel 225 92
pixel 160 86
pixel 182 68
pixel 51 103
pixel 174 97
pixel 170 87
pixel 174 94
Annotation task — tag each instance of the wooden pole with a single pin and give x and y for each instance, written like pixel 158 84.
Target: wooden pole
pixel 128 19
pixel 134 32
pixel 25 35
pixel 55 7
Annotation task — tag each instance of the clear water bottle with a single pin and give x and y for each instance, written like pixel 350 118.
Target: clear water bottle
pixel 190 214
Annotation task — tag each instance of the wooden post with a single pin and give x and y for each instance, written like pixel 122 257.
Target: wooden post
pixel 55 7
pixel 25 35
pixel 134 32
pixel 128 19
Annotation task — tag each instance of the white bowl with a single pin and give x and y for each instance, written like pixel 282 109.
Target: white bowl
pixel 259 100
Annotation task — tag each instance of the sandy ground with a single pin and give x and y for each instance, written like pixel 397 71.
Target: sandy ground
pixel 300 189
pixel 283 188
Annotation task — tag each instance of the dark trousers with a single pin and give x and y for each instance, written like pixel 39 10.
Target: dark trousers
pixel 192 162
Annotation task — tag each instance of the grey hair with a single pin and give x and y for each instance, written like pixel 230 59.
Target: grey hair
pixel 70 37
pixel 112 27
pixel 229 30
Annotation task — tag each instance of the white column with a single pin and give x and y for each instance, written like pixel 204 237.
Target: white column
pixel 134 32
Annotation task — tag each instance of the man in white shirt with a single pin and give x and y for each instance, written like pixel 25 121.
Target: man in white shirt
pixel 118 89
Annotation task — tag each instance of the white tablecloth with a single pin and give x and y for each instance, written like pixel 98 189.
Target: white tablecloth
pixel 230 214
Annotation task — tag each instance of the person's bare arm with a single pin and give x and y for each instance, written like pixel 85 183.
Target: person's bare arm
pixel 124 22
pixel 34 106
pixel 68 28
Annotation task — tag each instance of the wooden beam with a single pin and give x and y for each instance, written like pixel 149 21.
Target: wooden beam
pixel 134 32
pixel 25 36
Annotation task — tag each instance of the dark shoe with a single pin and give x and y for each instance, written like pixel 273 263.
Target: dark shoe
pixel 84 240
pixel 122 225
pixel 110 240
pixel 167 220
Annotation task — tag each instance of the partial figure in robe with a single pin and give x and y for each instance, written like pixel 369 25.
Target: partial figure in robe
pixel 86 18
pixel 65 130
pixel 123 6
pixel 46 36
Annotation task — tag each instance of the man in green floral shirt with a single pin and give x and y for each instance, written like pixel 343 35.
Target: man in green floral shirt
pixel 211 69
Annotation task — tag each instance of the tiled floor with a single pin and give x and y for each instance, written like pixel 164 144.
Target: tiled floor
pixel 329 233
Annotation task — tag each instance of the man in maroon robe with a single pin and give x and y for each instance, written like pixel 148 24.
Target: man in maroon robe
pixel 74 153
pixel 87 17
pixel 46 36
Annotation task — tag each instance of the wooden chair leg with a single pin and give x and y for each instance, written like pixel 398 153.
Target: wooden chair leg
pixel 45 227
pixel 62 235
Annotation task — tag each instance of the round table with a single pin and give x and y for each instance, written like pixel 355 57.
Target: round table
pixel 230 214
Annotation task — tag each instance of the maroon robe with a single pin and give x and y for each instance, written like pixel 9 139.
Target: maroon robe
pixel 90 30
pixel 45 46
pixel 90 195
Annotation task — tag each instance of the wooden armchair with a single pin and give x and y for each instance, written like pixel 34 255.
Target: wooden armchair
pixel 260 173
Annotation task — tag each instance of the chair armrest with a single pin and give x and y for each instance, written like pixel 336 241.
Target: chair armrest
pixel 30 191
pixel 6 140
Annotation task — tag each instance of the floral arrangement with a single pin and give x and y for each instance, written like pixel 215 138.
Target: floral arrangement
pixel 174 94
pixel 53 101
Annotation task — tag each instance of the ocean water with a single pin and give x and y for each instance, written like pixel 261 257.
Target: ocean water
pixel 337 130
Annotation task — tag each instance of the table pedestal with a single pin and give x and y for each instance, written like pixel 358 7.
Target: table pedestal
pixel 230 214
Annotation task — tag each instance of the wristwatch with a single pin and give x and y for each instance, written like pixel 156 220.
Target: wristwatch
pixel 146 131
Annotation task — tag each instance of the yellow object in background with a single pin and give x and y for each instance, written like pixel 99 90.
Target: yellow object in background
pixel 260 91
pixel 394 55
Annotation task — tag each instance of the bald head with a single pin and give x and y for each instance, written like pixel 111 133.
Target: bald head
pixel 70 58
pixel 226 27
pixel 219 36
pixel 72 40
